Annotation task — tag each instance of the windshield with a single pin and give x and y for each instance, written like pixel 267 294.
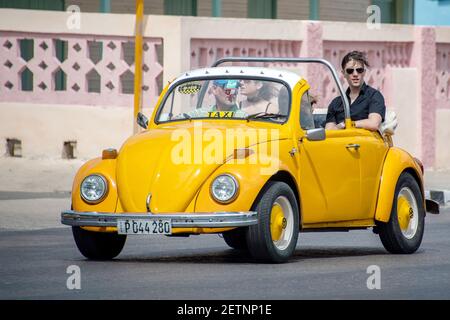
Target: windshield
pixel 224 98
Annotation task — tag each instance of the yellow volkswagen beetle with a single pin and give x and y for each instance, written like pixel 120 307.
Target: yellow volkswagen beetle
pixel 235 151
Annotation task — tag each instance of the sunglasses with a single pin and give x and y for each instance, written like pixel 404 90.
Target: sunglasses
pixel 350 70
pixel 228 91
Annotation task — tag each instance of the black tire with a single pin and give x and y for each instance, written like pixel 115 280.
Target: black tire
pixel 236 239
pixel 393 238
pixel 259 237
pixel 98 245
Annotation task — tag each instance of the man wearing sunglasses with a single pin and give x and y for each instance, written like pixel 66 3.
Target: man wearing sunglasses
pixel 367 108
pixel 225 93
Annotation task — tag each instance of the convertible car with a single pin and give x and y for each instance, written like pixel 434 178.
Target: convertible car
pixel 235 150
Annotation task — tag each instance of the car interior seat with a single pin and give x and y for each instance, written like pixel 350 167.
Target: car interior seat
pixel 387 128
pixel 390 123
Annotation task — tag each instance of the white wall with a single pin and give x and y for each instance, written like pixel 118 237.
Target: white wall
pixel 44 128
pixel 405 103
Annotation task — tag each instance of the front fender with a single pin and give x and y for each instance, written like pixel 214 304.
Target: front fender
pixel 396 162
pixel 251 176
pixel 107 168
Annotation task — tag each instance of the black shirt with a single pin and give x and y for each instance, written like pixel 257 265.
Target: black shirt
pixel 370 100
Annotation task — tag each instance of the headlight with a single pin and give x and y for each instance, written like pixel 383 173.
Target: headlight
pixel 224 188
pixel 93 188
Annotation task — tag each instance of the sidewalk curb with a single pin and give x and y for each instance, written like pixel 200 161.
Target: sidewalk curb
pixel 440 196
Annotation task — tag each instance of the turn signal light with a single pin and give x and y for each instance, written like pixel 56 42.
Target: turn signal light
pixel 242 153
pixel 109 153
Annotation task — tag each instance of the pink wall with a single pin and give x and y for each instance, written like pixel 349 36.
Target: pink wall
pixel 81 64
pixel 200 41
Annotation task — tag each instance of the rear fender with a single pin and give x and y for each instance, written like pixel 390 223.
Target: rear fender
pixel 396 162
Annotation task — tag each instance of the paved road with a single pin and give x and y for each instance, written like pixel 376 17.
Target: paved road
pixel 325 266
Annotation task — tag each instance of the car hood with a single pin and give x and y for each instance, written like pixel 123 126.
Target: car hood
pixel 157 161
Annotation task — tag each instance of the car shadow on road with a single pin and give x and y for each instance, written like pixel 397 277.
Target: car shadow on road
pixel 241 257
pixel 335 252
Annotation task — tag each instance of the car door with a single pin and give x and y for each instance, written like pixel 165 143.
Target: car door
pixel 329 176
pixel 372 152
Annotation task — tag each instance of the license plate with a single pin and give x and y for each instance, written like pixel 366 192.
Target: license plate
pixel 147 226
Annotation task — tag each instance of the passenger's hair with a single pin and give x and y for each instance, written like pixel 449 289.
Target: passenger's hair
pixel 266 92
pixel 356 56
pixel 283 101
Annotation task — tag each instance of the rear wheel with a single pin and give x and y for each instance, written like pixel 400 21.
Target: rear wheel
pixel 275 236
pixel 98 245
pixel 404 231
pixel 236 239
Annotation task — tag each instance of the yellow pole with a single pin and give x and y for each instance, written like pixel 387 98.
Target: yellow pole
pixel 138 61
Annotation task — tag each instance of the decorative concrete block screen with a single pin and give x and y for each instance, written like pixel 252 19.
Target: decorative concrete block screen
pixel 85 70
pixel 204 52
pixel 381 55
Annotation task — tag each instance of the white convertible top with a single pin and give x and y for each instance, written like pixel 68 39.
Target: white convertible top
pixel 289 77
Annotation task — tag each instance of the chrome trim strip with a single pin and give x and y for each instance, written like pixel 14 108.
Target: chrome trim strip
pixel 179 220
pixel 147 202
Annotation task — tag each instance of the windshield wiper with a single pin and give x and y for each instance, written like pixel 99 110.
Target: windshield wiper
pixel 265 115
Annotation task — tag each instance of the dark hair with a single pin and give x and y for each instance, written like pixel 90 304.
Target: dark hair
pixel 283 100
pixel 266 92
pixel 357 56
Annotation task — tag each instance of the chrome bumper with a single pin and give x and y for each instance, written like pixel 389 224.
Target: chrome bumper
pixel 179 220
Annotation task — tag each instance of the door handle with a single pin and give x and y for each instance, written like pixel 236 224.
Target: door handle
pixel 353 146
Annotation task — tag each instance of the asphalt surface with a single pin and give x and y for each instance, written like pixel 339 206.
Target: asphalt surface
pixel 33 265
pixel 14 195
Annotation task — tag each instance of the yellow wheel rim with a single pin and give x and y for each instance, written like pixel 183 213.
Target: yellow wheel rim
pixel 404 212
pixel 277 222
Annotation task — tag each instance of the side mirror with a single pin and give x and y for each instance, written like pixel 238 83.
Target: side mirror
pixel 317 134
pixel 142 120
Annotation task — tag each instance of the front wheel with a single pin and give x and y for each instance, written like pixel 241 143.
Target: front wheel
pixel 404 231
pixel 98 245
pixel 275 236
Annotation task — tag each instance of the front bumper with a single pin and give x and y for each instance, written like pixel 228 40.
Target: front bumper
pixel 179 220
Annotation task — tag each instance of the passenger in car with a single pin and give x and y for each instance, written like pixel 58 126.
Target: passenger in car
pixel 367 107
pixel 225 93
pixel 259 96
pixel 283 101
